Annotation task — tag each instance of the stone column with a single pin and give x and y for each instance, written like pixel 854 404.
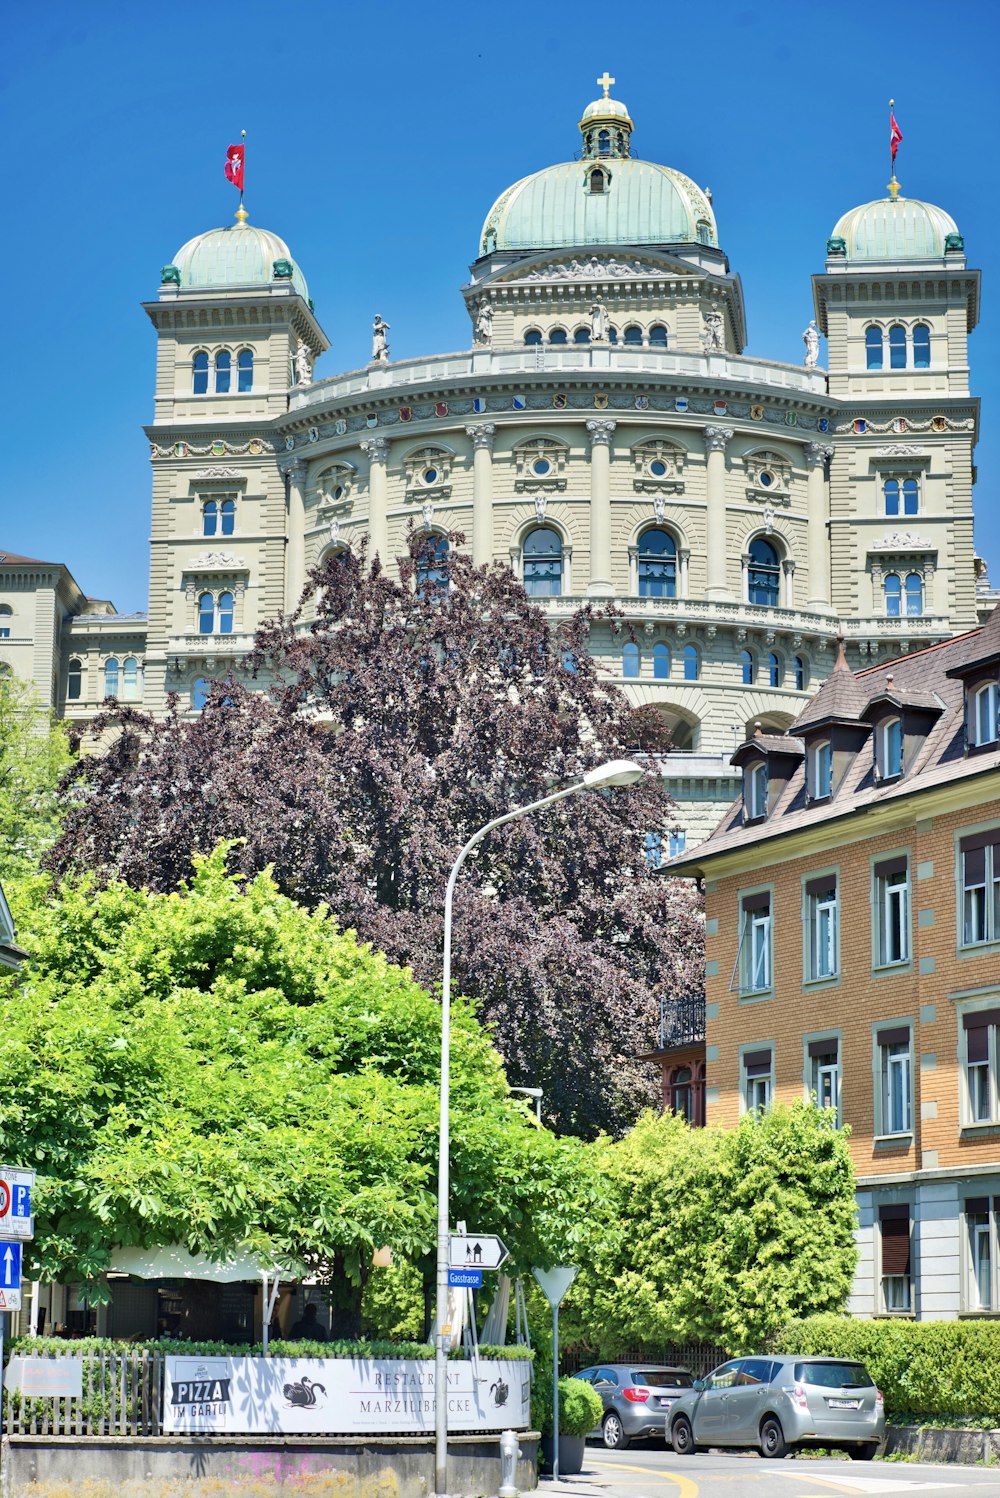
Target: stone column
pixel 788 571
pixel 684 557
pixel 376 449
pixel 482 434
pixel 295 541
pixel 601 433
pixel 715 483
pixel 818 511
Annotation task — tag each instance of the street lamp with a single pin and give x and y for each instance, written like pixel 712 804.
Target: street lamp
pixel 614 773
pixel 537 1094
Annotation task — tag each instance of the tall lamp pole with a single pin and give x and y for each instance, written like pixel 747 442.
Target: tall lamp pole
pixel 615 772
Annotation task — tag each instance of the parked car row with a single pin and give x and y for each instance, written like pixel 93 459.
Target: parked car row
pixel 776 1404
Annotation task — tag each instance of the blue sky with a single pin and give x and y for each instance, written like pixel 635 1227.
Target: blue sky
pixel 378 136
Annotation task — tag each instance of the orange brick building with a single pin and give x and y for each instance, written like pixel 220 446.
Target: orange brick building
pixel 853 954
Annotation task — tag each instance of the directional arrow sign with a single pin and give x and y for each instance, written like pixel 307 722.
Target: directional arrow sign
pixel 476 1251
pixel 10 1276
pixel 15 1203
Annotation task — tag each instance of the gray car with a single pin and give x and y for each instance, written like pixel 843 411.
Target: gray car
pixel 636 1397
pixel 779 1404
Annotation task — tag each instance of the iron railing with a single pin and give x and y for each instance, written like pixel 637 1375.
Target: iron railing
pixel 682 1021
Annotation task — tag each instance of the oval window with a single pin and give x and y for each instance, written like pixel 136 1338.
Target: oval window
pixel 541 466
pixel 766 478
pixel 658 468
pixel 338 493
pixel 430 475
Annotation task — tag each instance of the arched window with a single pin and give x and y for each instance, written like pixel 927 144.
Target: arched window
pixel 704 231
pixel 921 346
pixel 200 372
pixel 199 693
pixel 226 602
pixel 612 333
pixel 657 336
pixel 630 660
pixel 542 563
pixel 209 517
pixel 682 1093
pixel 890 490
pixel 582 335
pixel 911 496
pixel 244 370
pixel 604 142
pixel 657 565
pixel 223 371
pixel 130 679
pixel 914 593
pixel 227 514
pixel 558 335
pixel 764 574
pixel 692 663
pixel 800 674
pixel 74 681
pixel 820 769
pixel 873 347
pixel 893 595
pixel 111 677
pixel 432 564
pixel 206 614
pixel 889 748
pixel 985 715
pixel 775 671
pixel 633 334
pixel 533 336
pixel 661 661
pixel 597 180
pixel 897 346
pixel 748 666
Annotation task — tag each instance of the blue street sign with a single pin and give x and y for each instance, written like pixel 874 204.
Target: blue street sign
pixel 20 1201
pixel 10 1266
pixel 472 1279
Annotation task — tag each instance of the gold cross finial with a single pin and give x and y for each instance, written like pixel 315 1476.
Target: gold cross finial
pixel 606 82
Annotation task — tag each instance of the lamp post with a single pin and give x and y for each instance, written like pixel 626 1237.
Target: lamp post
pixel 533 1092
pixel 615 772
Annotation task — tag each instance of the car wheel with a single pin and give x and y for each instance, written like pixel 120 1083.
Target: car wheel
pixel 682 1437
pixel 615 1438
pixel 772 1439
pixel 863 1453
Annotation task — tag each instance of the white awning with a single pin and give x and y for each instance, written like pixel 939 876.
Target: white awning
pixel 173 1262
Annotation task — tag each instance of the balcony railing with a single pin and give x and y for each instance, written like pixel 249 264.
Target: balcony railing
pixel 682 1022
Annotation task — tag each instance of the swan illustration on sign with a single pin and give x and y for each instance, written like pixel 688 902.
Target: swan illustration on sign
pixel 302 1395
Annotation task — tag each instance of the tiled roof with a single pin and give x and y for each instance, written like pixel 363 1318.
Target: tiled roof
pixel 771 743
pixel 920 679
pixel 11 559
pixel 839 698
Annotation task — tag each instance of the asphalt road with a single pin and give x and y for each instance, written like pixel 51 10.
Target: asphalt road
pixel 653 1472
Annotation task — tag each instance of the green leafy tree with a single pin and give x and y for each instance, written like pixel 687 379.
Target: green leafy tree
pixel 218 1066
pixel 721 1235
pixel 34 755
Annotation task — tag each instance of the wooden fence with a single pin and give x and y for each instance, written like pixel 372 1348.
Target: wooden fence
pixel 122 1396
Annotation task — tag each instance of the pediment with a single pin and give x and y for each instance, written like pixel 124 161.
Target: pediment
pixel 605 266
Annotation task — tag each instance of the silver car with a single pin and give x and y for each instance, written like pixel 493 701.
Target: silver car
pixel 636 1396
pixel 780 1404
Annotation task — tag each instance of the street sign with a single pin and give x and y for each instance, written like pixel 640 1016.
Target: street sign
pixel 472 1279
pixel 15 1203
pixel 476 1251
pixel 555 1282
pixel 10 1276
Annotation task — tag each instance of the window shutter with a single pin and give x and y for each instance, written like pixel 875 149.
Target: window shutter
pixel 757 1063
pixel 976 840
pixel 900 1035
pixel 823 1047
pixel 895 1225
pixel 824 884
pixel 976 1204
pixel 981 1019
pixel 977 1043
pixel 888 868
pixel 760 901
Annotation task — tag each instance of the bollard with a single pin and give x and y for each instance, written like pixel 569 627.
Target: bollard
pixel 510 1451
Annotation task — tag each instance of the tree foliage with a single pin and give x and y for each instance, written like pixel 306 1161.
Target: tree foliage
pixel 397 724
pixel 34 755
pixel 218 1066
pixel 721 1235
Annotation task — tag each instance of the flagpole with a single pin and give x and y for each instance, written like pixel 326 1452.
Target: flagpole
pixel 242 214
pixel 892 159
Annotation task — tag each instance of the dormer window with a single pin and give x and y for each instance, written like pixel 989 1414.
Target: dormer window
pixel 984 715
pixel 755 792
pixel 820 770
pixel 598 180
pixel 889 749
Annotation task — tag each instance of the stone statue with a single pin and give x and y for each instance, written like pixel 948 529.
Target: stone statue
pixel 380 346
pixel 811 340
pixel 490 240
pixel 303 365
pixel 714 337
pixel 598 323
pixel 484 324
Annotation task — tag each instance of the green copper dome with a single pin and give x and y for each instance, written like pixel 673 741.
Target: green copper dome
pixel 895 229
pixel 240 255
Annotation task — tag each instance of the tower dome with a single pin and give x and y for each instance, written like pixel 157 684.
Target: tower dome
pixel 607 198
pixel 236 256
pixel 895 228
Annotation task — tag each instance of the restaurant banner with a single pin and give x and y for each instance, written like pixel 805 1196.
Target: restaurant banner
pixel 339 1396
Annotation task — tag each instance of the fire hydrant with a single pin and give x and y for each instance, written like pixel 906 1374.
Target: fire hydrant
pixel 510 1452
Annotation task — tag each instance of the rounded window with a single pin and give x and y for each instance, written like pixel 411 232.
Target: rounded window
pixel 200 367
pixel 338 492
pixel 542 556
pixel 748 668
pixel 766 478
pixel 657 564
pixel 661 661
pixel 582 335
pixel 658 336
pixel 558 335
pixel 763 574
pixel 199 693
pixel 541 466
pixel 74 681
pixel 633 334
pixel 430 475
pixel 630 660
pixel 658 468
pixel 533 336
pixel 692 663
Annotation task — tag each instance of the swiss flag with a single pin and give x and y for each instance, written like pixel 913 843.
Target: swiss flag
pixel 234 165
pixel 895 136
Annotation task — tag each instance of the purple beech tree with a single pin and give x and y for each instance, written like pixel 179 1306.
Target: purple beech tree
pixel 407 714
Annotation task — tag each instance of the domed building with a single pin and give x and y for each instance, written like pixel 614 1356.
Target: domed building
pixel 604 434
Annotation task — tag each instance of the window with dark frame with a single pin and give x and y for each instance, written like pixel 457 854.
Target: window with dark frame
pixel 892 911
pixel 752 968
pixel 980 1033
pixel 824 1072
pixel 980 875
pixel 981 1224
pixel 895 1077
pixel 822 945
pixel 897 1279
pixel 757 1080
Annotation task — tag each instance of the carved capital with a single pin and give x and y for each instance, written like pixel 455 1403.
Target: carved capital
pixel 717 437
pixel 817 454
pixel 295 470
pixel 482 434
pixel 601 432
pixel 376 449
pixel 788 566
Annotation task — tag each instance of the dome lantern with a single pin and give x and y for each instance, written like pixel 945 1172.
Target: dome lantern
pixel 606 126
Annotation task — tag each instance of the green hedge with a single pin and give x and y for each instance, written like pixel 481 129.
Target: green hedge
pixel 925 1369
pixel 88 1346
pixel 580 1406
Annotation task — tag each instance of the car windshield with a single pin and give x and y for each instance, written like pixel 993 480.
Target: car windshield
pixel 833 1375
pixel 662 1378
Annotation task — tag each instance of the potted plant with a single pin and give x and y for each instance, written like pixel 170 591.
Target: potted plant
pixel 580 1411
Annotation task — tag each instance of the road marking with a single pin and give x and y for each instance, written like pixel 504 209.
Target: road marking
pixel 868 1484
pixel 686 1488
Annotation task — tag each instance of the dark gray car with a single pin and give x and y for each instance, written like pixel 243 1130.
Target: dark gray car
pixel 636 1398
pixel 779 1404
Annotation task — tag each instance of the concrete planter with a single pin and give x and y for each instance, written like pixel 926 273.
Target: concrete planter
pixel 572 1450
